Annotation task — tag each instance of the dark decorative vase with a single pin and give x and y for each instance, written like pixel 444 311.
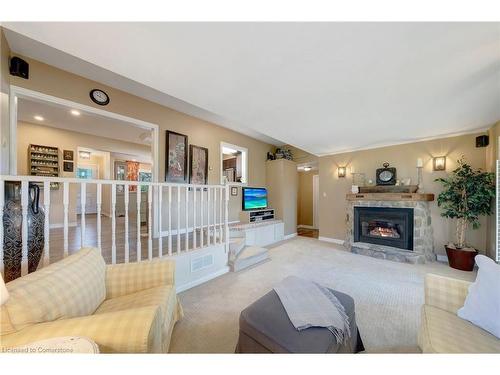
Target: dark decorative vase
pixel 461 259
pixel 12 230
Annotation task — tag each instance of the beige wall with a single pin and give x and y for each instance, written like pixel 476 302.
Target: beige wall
pixel 305 198
pixel 4 103
pixel 62 84
pixel 332 201
pixel 283 185
pixel 68 140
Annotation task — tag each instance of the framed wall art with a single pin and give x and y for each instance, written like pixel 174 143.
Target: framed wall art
pixel 68 155
pixel 68 166
pixel 176 157
pixel 198 166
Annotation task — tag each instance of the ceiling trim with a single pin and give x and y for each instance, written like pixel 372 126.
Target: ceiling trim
pixel 416 140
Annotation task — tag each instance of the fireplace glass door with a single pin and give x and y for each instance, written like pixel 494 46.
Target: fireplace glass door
pixel 384 226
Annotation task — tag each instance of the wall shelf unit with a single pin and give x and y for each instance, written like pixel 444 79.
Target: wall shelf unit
pixel 44 161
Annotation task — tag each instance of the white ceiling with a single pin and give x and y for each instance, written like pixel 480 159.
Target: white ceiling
pixel 57 116
pixel 323 87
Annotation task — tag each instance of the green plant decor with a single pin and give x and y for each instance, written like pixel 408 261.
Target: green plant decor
pixel 467 195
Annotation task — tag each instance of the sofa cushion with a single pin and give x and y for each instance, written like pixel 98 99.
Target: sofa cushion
pixel 444 332
pixel 158 296
pixel 162 298
pixel 128 331
pixel 482 305
pixel 72 287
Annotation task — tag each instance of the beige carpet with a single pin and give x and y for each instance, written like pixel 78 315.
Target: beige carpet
pixel 388 296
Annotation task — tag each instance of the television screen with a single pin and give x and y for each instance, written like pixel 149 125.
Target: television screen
pixel 254 198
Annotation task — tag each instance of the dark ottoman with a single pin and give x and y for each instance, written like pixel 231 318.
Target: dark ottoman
pixel 266 328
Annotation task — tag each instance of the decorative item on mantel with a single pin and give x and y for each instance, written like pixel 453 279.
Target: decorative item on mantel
pixel 386 175
pixel 358 179
pixel 420 183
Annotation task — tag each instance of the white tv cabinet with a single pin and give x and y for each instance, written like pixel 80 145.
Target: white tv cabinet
pixel 262 233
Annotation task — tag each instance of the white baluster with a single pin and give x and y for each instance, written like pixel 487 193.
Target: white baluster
pixel 201 217
pixel 214 207
pixel 126 200
pixel 186 247
pixel 66 213
pixel 99 205
pixel 150 222
pixel 221 205
pixel 24 228
pixel 113 223
pixel 160 231
pixel 208 216
pixel 178 219
pixel 169 220
pixel 2 197
pixel 83 203
pixel 46 206
pixel 138 243
pixel 194 216
pixel 226 217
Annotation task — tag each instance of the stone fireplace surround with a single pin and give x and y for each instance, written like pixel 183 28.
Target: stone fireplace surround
pixel 423 241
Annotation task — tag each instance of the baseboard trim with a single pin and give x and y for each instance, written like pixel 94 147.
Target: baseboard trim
pixel 61 225
pixel 289 236
pixel 306 226
pixel 331 240
pixel 202 280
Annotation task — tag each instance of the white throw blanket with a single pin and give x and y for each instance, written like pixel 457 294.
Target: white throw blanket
pixel 309 304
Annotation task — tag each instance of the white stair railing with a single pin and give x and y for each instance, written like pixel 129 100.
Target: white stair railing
pixel 202 225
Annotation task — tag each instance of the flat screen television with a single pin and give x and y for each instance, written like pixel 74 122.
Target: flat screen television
pixel 254 198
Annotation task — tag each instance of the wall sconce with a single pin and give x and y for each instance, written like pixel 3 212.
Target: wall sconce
pixel 439 163
pixel 341 171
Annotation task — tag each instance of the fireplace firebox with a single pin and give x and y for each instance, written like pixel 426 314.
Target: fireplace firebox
pixel 384 226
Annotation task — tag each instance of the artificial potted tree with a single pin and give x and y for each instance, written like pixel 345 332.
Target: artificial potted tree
pixel 466 196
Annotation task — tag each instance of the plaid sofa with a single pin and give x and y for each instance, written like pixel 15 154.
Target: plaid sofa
pixel 124 308
pixel 441 330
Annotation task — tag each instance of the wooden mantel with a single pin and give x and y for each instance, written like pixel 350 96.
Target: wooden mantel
pixel 390 197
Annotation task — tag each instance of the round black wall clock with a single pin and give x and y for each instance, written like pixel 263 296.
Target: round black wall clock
pixel 99 97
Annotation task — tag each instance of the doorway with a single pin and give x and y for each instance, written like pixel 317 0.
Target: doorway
pixel 308 209
pixel 73 129
pixel 315 201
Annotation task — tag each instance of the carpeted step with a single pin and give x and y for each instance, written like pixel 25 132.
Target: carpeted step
pixel 249 256
pixel 235 246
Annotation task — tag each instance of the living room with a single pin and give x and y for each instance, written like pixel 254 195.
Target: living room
pixel 323 188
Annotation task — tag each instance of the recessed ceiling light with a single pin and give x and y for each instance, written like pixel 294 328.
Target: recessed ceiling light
pixel 38 118
pixel 307 169
pixel 74 112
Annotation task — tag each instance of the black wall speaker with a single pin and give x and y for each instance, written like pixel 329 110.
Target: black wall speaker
pixel 19 68
pixel 482 141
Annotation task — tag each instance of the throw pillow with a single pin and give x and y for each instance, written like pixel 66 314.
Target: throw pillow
pixel 482 305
